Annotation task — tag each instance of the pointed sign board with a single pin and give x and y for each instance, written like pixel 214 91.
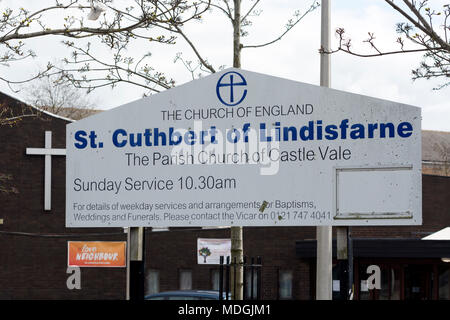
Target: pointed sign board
pixel 246 149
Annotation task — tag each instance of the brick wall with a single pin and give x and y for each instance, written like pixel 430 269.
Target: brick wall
pixel 170 251
pixel 33 266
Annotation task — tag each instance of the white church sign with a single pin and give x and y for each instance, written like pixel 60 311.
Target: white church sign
pixel 245 149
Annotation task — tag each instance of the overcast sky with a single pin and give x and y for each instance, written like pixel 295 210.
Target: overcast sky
pixel 295 57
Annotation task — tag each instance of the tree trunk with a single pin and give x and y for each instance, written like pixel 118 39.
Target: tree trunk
pixel 236 232
pixel 237 34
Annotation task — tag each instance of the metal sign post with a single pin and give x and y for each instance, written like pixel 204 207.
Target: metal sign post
pixel 136 266
pixel 324 233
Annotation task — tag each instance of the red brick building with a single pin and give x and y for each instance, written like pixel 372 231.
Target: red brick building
pixel 33 254
pixel 33 250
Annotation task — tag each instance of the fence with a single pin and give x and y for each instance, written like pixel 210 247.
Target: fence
pixel 251 278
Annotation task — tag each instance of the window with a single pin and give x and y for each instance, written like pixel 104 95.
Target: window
pixel 152 282
pixel 248 284
pixel 444 287
pixel 185 278
pixel 215 278
pixel 285 284
pixel 390 284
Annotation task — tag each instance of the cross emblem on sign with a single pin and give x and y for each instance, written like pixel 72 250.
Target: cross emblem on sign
pixel 231 98
pixel 48 152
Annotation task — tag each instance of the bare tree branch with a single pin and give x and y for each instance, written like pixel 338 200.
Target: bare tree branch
pixel 289 26
pixel 419 30
pixel 229 11
pixel 156 21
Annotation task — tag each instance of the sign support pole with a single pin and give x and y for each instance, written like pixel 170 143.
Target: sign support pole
pixel 324 233
pixel 342 260
pixel 128 265
pixel 136 269
pixel 350 264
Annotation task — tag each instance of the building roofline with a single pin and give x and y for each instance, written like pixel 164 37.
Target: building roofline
pixel 40 110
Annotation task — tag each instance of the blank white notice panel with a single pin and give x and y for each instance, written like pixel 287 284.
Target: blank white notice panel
pixel 374 193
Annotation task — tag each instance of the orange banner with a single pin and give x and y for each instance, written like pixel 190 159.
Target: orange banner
pixel 96 254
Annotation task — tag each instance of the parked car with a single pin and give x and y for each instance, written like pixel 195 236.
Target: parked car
pixel 185 295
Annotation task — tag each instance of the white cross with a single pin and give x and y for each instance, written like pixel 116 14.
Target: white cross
pixel 48 152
